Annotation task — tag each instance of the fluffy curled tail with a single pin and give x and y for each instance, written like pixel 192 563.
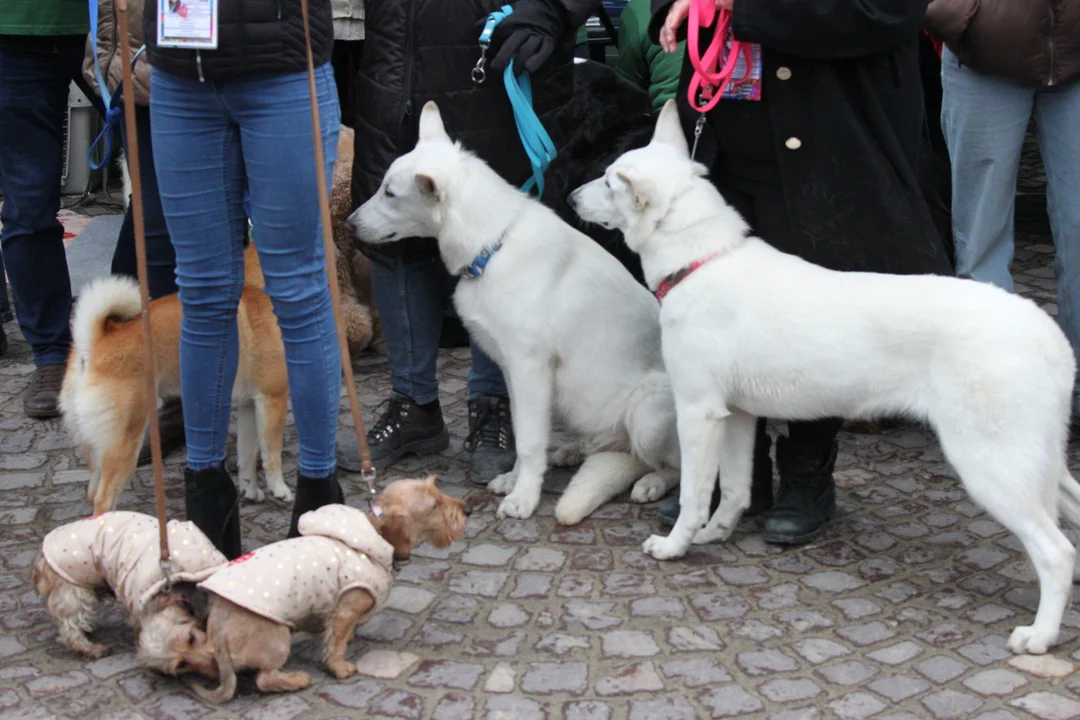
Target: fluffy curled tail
pixel 108 298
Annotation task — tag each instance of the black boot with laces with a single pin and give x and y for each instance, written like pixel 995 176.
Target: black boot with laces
pixel 491 438
pixel 405 428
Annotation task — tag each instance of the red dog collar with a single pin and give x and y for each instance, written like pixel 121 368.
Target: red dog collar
pixel 674 279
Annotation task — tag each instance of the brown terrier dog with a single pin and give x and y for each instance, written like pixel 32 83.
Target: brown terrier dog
pixel 337 574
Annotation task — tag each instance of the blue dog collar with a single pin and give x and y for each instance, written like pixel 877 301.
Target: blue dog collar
pixel 476 268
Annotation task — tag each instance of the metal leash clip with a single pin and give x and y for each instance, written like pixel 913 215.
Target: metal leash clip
pixel 479 73
pixel 369 478
pixel 699 126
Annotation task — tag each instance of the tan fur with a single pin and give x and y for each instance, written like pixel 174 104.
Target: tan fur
pixel 105 407
pixel 353 269
pixel 413 511
pixel 74 608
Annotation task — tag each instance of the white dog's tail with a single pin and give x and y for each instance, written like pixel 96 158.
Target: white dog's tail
pixel 108 298
pixel 602 477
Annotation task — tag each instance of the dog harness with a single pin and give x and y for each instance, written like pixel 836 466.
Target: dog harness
pixel 119 550
pixel 293 580
pixel 669 283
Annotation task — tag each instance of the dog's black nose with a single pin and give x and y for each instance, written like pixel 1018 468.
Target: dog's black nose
pixel 468 510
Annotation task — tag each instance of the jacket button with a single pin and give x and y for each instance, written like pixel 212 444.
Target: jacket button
pixel 793 143
pixel 784 73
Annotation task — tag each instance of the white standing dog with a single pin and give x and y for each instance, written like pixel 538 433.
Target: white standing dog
pixel 567 324
pixel 749 331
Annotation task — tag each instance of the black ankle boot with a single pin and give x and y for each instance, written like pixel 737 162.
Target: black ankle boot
pixel 213 504
pixel 761 484
pixel 312 494
pixel 807 497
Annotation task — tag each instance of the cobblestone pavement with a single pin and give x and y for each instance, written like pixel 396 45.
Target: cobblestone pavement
pixel 900 611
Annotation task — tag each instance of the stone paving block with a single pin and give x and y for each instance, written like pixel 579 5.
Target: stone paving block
pixel 1048 705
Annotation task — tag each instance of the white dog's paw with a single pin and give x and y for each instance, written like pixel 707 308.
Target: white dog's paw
pixel 281 491
pixel 710 534
pixel 251 491
pixel 1025 640
pixel 569 455
pixel 503 484
pixel 663 548
pixel 518 505
pixel 648 489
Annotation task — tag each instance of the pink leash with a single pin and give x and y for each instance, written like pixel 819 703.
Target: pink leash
pixel 708 83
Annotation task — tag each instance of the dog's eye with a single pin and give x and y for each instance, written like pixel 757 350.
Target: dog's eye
pixel 191 639
pixel 182 665
pixel 388 193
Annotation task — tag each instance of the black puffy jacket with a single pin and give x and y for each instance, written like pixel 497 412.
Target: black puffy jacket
pixel 256 37
pixel 421 50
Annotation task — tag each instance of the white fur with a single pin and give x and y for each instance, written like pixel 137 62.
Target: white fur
pixel 568 325
pixel 756 332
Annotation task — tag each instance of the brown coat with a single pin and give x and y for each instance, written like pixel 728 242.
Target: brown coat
pixel 1034 41
pixel 109 50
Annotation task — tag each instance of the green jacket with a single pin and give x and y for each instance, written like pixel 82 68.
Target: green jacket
pixel 44 17
pixel 643 62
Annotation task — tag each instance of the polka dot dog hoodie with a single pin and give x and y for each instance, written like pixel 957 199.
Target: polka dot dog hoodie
pixel 119 550
pixel 293 580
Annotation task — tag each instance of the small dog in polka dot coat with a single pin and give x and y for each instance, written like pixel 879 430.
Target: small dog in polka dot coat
pixel 337 574
pixel 116 552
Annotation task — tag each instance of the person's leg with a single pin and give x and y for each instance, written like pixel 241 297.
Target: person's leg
pixel 5 303
pixel 33 103
pixel 491 429
pixel 410 298
pixel 806 501
pixel 1057 118
pixel 201 179
pixel 274 119
pixel 984 120
pixel 160 267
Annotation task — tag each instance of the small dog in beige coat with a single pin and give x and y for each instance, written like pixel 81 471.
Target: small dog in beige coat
pixel 334 576
pixel 117 552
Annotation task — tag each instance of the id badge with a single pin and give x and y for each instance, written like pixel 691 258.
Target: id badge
pixel 746 79
pixel 189 24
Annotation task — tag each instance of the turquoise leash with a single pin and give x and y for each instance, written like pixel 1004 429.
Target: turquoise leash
pixel 534 138
pixel 114 114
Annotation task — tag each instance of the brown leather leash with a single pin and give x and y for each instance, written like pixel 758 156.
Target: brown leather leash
pixel 144 287
pixel 367 469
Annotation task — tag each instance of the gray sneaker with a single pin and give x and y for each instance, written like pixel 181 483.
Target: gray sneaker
pixel 491 438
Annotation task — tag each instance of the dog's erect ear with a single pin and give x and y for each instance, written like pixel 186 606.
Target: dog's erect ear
pixel 669 130
pixel 639 198
pixel 428 187
pixel 431 124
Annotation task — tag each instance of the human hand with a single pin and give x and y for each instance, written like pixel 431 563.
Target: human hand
pixel 676 17
pixel 529 35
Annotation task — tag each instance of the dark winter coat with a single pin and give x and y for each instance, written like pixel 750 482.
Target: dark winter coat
pixel 1034 41
pixel 256 37
pixel 841 83
pixel 421 50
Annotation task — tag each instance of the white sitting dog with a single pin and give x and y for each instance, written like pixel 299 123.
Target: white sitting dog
pixel 749 331
pixel 567 324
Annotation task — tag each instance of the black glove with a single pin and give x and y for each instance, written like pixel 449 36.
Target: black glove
pixel 529 35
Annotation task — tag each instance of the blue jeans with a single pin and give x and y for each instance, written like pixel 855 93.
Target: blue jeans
pixel 985 120
pixel 411 299
pixel 33 105
pixel 160 257
pixel 211 140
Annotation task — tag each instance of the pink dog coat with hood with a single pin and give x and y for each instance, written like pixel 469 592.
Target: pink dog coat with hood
pixel 120 550
pixel 293 580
